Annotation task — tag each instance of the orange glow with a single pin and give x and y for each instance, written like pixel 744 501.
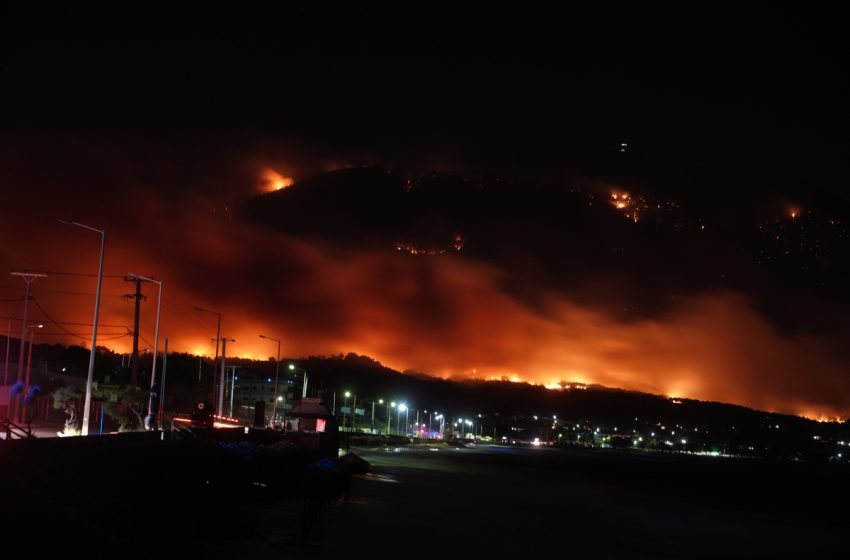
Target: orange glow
pixel 794 213
pixel 271 180
pixel 442 316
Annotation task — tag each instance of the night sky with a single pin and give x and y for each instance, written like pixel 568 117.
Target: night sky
pixel 463 202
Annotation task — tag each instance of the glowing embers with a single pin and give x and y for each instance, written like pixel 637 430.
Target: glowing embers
pixel 631 207
pixel 456 245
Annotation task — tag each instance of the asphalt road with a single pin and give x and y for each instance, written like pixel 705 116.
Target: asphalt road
pixel 500 502
pixel 136 493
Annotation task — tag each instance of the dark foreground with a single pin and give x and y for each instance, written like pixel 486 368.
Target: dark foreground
pixel 163 499
pixel 509 502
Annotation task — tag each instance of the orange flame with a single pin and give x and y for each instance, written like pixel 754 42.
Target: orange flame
pixel 271 180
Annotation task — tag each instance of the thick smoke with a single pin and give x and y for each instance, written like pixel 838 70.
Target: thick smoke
pixel 445 315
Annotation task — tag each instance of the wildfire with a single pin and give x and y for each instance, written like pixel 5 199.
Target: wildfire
pixel 630 207
pixel 271 180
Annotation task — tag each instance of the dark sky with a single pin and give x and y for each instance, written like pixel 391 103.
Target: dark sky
pixel 158 126
pixel 759 89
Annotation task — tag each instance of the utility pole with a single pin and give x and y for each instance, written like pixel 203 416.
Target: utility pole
pixel 137 297
pixel 8 349
pixel 29 278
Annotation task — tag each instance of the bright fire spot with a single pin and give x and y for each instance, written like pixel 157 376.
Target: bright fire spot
pixel 631 207
pixel 271 180
pixel 794 213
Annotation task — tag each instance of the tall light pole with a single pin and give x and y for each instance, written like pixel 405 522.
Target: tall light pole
pixel 276 377
pixel 304 386
pixel 87 407
pixel 217 340
pixel 344 414
pixel 402 408
pixel 389 415
pixel 151 411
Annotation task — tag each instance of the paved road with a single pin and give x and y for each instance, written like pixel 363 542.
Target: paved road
pixel 433 501
pixel 423 501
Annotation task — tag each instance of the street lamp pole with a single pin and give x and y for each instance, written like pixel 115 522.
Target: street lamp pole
pixel 276 377
pixel 304 386
pixel 401 408
pixel 345 414
pixel 84 430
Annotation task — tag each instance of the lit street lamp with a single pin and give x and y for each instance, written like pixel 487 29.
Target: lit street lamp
pixel 345 414
pixel 403 408
pixel 304 386
pixel 84 430
pixel 276 376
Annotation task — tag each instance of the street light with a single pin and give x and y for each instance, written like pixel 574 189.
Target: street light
pixel 402 408
pixel 276 376
pixel 87 407
pixel 151 411
pixel 345 414
pixel 304 386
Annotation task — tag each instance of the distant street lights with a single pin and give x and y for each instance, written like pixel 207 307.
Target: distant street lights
pixel 84 430
pixel 276 377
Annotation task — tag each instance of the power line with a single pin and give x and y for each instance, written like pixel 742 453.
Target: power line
pixel 52 320
pixel 84 274
pixel 73 293
pixel 73 323
pixel 108 336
